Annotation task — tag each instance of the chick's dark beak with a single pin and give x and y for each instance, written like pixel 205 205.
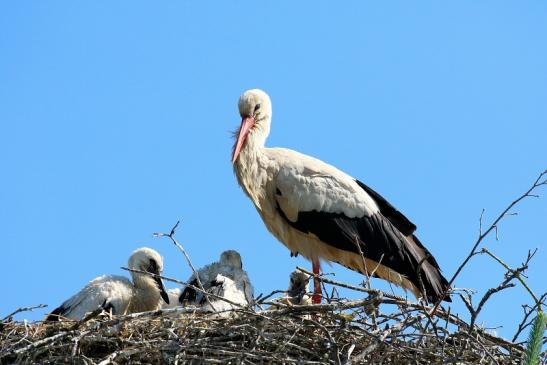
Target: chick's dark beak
pixel 163 292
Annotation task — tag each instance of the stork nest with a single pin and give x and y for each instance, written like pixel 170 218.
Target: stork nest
pixel 379 329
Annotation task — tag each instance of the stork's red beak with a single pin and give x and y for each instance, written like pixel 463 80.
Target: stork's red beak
pixel 246 124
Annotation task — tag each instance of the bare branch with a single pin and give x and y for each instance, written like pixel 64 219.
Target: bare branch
pixel 516 273
pixel 526 321
pixel 171 236
pixel 537 183
pixel 23 309
pixel 352 287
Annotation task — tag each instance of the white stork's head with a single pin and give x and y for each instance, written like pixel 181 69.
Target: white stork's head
pixel 255 109
pixel 146 259
pixel 231 258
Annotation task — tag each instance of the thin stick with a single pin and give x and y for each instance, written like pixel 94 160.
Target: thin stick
pixel 527 313
pixel 185 284
pixel 121 353
pixel 335 349
pixel 24 309
pixel 353 287
pixel 171 236
pixel 515 273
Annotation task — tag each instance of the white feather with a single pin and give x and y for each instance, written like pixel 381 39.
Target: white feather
pixel 308 184
pixel 226 277
pixel 228 289
pixel 117 292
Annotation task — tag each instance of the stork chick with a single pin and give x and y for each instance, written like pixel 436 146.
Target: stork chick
pixel 116 294
pixel 225 278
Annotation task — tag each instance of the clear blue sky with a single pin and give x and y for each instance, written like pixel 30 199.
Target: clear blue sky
pixel 116 117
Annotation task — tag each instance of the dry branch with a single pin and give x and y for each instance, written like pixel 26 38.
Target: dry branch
pixel 340 332
pixel 540 181
pixel 171 236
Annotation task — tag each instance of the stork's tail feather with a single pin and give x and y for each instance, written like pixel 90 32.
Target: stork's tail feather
pixel 431 281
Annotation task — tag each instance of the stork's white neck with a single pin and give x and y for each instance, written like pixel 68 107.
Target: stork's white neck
pixel 249 167
pixel 147 294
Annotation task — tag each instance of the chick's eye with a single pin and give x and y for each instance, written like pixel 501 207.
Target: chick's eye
pixel 153 266
pixel 257 106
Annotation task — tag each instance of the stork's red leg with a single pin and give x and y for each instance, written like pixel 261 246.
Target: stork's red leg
pixel 316 298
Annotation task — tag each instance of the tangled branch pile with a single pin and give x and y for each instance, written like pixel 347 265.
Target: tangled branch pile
pixel 380 329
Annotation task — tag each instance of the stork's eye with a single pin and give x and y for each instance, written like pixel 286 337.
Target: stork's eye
pixel 257 106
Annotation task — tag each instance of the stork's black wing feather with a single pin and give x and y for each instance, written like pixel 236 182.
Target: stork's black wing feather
pixel 189 294
pixel 382 237
pixel 402 223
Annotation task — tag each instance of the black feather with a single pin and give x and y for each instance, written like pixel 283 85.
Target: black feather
pixel 189 294
pixel 215 287
pixel 375 236
pixel 402 223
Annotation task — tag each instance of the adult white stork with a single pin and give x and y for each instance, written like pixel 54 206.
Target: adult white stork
pixel 116 294
pixel 322 213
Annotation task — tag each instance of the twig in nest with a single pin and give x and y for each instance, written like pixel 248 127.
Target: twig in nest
pixel 171 236
pixel 88 317
pixel 122 353
pixel 284 335
pixel 396 327
pixel 352 287
pixel 331 339
pixel 357 244
pixel 23 309
pixel 205 293
pixel 263 298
